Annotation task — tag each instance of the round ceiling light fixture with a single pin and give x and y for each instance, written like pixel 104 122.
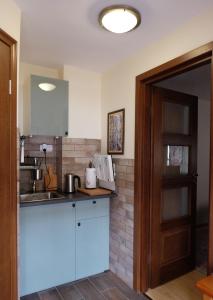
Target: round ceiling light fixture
pixel 47 87
pixel 119 18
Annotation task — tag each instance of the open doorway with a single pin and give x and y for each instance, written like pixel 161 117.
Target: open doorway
pixel 180 181
pixel 179 254
pixel 197 82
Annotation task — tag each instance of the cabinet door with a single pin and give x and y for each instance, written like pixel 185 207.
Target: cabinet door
pixel 47 246
pixel 49 109
pixel 92 246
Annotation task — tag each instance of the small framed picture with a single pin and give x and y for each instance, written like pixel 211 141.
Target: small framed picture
pixel 115 132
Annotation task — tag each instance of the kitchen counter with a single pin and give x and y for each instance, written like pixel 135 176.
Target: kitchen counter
pixel 60 242
pixel 73 197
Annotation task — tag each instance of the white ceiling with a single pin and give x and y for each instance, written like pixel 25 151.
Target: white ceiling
pixel 55 33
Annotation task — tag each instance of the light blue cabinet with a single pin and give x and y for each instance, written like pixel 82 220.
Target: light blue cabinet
pixel 49 107
pixel 92 237
pixel 60 243
pixel 47 246
pixel 92 247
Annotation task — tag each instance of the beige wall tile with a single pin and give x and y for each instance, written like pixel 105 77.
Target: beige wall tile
pixel 121 221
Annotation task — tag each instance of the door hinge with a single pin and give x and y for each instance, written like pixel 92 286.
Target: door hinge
pixel 10 87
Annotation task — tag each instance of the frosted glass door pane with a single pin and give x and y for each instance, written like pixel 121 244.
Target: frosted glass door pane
pixel 176 118
pixel 175 203
pixel 176 160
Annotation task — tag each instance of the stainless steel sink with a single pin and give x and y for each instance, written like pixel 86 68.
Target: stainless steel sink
pixel 40 197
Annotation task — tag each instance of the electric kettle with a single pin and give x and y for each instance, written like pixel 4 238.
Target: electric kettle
pixel 71 184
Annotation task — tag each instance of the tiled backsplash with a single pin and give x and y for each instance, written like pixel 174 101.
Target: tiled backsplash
pixel 122 221
pixel 32 149
pixel 75 157
pixel 68 156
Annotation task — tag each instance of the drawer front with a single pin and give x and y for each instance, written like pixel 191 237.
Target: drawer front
pixel 92 208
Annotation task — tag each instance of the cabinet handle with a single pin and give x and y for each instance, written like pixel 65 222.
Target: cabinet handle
pixel 94 202
pixel 73 205
pixel 79 224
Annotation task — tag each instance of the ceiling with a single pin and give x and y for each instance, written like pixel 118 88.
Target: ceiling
pixel 55 33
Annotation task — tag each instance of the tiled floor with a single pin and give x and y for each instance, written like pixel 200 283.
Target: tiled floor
pixel 103 286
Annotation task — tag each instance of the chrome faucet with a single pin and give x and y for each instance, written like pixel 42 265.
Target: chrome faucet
pixel 34 186
pixel 37 175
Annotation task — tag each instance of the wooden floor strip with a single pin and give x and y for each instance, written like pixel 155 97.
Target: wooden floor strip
pixel 127 291
pixel 88 290
pixel 31 297
pixel 105 286
pixel 50 294
pixel 114 294
pixel 102 282
pixel 69 292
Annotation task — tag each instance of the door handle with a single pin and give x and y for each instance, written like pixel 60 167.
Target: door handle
pixel 195 175
pixel 73 205
pixel 79 224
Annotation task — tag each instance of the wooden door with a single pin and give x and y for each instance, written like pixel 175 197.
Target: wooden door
pixel 173 190
pixel 8 169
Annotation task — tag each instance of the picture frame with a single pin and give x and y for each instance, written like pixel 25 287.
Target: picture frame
pixel 116 132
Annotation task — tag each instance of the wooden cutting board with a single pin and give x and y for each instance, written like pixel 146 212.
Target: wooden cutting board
pixel 95 192
pixel 50 180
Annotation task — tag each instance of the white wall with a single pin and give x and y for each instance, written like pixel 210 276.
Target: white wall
pixel 118 88
pixel 84 103
pixel 118 84
pixel 24 92
pixel 10 18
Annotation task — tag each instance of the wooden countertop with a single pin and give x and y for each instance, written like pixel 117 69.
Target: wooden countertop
pixel 206 285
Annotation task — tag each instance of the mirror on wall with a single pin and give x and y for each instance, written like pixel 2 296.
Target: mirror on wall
pixel 49 106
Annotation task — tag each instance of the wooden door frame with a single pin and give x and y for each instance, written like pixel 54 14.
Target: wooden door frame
pixel 12 165
pixel 142 187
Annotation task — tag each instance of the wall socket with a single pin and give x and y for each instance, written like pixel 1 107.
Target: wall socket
pixel 49 148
